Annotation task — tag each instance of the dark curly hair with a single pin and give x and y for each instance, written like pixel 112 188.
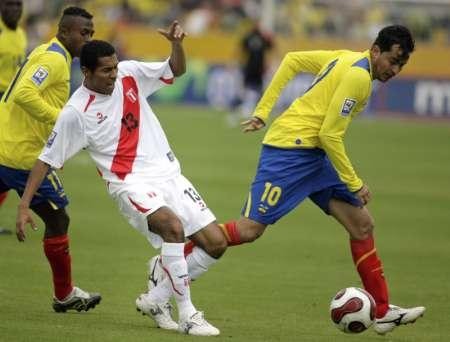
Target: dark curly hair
pixel 92 51
pixel 395 34
pixel 78 12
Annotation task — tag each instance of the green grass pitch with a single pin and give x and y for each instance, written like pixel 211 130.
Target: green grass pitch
pixel 277 289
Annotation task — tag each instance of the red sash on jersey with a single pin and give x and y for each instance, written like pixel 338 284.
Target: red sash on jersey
pixel 123 160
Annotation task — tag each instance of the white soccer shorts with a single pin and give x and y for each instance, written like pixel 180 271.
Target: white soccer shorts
pixel 137 201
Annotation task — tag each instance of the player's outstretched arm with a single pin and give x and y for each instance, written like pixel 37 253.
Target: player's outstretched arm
pixel 175 34
pixel 253 124
pixel 24 217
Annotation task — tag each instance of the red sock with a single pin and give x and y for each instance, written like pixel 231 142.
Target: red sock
pixel 57 251
pixel 371 272
pixel 231 233
pixel 3 196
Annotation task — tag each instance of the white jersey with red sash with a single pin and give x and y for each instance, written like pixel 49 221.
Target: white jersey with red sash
pixel 120 131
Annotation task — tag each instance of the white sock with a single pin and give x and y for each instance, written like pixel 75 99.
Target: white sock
pixel 198 262
pixel 174 264
pixel 162 292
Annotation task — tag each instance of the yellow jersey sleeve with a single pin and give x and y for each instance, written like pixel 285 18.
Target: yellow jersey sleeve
pixel 350 95
pixel 292 64
pixel 47 70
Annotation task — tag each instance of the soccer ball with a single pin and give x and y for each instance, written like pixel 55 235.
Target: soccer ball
pixel 353 310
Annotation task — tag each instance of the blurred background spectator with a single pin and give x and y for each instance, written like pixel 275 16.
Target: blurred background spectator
pixel 358 19
pixel 216 28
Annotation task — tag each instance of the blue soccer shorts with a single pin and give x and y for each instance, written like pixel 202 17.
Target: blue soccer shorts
pixel 285 177
pixel 50 191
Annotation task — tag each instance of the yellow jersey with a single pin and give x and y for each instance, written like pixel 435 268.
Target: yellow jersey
pixel 13 44
pixel 320 117
pixel 31 104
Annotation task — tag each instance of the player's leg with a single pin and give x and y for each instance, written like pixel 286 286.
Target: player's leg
pixel 283 180
pixel 3 195
pixel 50 207
pixel 359 224
pixel 209 244
pixel 166 224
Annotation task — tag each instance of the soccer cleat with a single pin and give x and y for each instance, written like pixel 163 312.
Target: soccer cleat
pixel 155 273
pixel 4 231
pixel 78 300
pixel 160 313
pixel 198 326
pixel 396 316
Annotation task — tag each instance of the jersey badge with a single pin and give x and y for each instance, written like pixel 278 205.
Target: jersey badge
pixel 101 117
pixel 51 138
pixel 347 106
pixel 39 76
pixel 131 95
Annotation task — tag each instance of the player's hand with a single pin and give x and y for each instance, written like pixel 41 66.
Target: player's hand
pixel 23 218
pixel 175 33
pixel 364 194
pixel 253 124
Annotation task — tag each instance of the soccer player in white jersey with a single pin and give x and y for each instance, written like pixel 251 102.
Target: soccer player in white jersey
pixel 109 116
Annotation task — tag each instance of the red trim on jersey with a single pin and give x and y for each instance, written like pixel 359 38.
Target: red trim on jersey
pixel 123 160
pixel 166 80
pixel 138 207
pixel 91 99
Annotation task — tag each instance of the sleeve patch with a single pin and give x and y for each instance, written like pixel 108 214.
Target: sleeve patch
pixel 51 138
pixel 39 76
pixel 347 106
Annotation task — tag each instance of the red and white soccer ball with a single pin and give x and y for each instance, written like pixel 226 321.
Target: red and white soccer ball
pixel 353 310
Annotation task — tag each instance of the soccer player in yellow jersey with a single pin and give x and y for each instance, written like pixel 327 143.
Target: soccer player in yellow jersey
pixel 303 154
pixel 29 108
pixel 13 44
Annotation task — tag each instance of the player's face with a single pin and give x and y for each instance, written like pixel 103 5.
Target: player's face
pixel 11 11
pixel 78 33
pixel 103 78
pixel 387 64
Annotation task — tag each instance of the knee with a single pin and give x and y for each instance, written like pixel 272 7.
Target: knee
pixel 217 247
pixel 169 227
pixel 57 224
pixel 365 229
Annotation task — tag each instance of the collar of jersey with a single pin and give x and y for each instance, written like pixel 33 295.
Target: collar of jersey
pixel 69 56
pixel 367 54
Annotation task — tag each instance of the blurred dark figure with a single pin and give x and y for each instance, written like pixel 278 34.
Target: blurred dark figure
pixel 254 48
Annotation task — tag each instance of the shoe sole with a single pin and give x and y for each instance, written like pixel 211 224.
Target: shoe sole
pixel 91 304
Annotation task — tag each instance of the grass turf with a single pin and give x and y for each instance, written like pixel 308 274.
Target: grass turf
pixel 277 289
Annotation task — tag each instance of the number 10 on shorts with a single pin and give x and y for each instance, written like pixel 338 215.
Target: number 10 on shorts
pixel 271 194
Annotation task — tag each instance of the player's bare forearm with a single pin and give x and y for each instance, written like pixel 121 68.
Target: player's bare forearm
pixel 24 217
pixel 175 34
pixel 177 59
pixel 35 179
